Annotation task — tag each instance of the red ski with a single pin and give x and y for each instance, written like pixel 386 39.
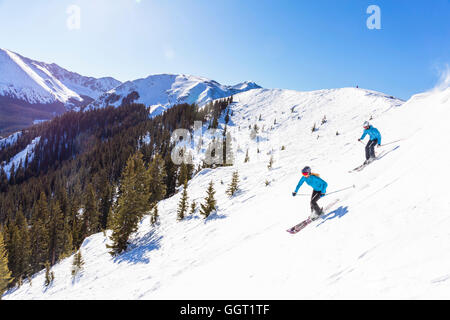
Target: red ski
pixel 299 226
pixel 304 223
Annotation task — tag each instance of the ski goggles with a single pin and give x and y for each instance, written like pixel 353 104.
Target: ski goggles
pixel 305 173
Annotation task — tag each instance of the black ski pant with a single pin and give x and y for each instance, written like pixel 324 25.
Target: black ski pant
pixel 370 149
pixel 314 198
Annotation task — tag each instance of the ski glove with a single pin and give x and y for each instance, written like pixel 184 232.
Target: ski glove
pixel 294 194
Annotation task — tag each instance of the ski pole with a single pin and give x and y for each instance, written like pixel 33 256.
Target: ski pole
pixel 353 186
pixel 391 142
pixel 326 194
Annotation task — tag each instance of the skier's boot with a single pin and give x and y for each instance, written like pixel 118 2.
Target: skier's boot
pixel 316 214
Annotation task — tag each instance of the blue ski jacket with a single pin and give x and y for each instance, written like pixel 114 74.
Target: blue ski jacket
pixel 315 182
pixel 373 134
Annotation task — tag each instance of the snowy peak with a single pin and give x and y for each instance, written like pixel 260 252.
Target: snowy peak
pixel 87 86
pixel 30 82
pixel 162 91
pixel 37 82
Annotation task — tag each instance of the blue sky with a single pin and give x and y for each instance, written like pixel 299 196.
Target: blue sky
pixel 300 45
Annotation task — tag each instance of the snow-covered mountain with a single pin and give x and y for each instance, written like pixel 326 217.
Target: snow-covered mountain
pixel 386 238
pixel 31 90
pixel 39 82
pixel 162 91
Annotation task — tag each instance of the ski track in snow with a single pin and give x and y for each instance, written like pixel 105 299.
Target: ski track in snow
pixel 387 238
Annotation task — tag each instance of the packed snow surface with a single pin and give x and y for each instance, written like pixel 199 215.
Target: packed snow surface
pixel 387 238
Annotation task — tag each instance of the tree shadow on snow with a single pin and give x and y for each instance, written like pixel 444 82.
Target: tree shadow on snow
pixel 215 216
pixel 138 250
pixel 191 217
pixel 338 213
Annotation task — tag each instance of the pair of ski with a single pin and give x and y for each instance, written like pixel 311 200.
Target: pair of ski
pixel 367 162
pixel 304 223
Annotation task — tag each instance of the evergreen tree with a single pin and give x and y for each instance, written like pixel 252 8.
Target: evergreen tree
pixel 56 233
pixel 5 274
pixel 233 187
pixel 22 247
pixel 132 204
pixel 40 234
pixel 214 123
pixel 12 174
pixel 157 174
pixel 49 275
pixel 183 204
pixel 269 166
pixel 247 158
pixel 105 203
pixel 3 180
pixel 210 202
pixel 154 216
pixel 170 176
pixel 77 264
pixel 67 248
pixel 227 116
pixel 183 175
pixel 91 215
pixel 75 224
pixel 193 207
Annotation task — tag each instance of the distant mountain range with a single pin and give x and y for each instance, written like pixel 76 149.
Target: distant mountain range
pixel 165 90
pixel 32 91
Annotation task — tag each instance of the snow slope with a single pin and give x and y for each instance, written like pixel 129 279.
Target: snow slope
pixel 10 140
pixel 387 238
pixel 162 91
pixel 19 159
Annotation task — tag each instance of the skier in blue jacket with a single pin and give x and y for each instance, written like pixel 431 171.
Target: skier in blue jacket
pixel 319 189
pixel 375 139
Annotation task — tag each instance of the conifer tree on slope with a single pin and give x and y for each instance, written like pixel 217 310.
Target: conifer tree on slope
pixel 183 204
pixel 49 275
pixel 19 247
pixel 132 204
pixel 154 215
pixel 210 202
pixel 91 215
pixel 56 232
pixel 40 234
pixel 193 207
pixel 183 175
pixel 157 174
pixel 233 187
pixel 77 264
pixel 5 274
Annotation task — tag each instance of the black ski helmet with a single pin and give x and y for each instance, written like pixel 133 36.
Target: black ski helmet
pixel 306 170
